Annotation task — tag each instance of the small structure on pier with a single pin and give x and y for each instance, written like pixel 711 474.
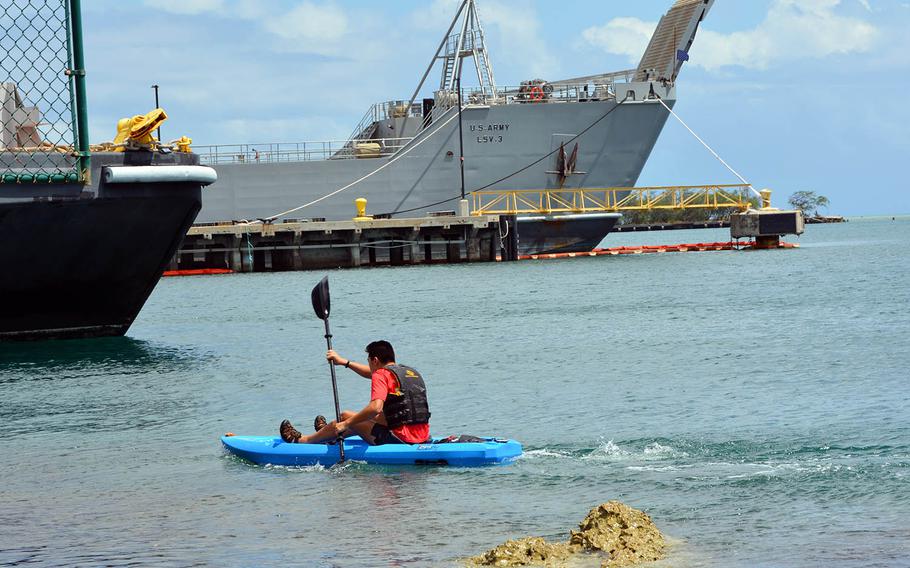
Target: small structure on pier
pixel 766 225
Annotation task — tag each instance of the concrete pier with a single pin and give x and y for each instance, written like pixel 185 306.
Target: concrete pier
pixel 306 245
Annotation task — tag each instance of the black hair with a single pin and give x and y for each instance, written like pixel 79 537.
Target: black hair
pixel 382 350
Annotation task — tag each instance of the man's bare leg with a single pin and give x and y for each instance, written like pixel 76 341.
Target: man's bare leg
pixel 327 432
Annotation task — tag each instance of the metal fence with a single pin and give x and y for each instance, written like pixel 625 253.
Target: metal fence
pixel 43 134
pixel 267 153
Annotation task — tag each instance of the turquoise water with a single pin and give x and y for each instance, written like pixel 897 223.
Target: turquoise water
pixel 753 403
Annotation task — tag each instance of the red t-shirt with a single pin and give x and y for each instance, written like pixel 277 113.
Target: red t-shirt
pixel 382 382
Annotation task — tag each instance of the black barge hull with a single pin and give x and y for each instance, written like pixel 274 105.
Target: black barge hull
pixel 564 234
pixel 76 266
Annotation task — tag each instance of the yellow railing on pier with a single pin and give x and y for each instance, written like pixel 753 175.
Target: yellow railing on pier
pixel 613 199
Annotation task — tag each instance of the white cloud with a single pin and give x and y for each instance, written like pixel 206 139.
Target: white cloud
pixel 188 7
pixel 622 36
pixel 308 27
pixel 521 33
pixel 792 29
pixel 436 16
pixel 514 24
pixel 311 27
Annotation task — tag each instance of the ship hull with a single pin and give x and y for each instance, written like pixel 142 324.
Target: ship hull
pixel 84 267
pixel 563 234
pixel 501 146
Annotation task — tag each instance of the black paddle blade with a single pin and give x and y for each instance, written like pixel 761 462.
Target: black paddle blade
pixel 321 302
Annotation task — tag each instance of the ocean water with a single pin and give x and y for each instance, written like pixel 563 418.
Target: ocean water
pixel 755 404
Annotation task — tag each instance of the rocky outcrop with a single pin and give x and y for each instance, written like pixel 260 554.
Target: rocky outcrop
pixel 626 534
pixel 621 535
pixel 531 551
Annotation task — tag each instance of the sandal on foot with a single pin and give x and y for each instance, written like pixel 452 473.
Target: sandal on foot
pixel 288 433
pixel 318 424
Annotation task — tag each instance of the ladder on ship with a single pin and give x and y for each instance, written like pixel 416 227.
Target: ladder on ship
pixel 469 42
pixel 453 49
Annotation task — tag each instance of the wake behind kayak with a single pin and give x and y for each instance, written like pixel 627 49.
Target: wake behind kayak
pixel 271 450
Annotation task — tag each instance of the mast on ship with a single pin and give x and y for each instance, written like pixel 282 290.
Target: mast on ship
pixel 468 42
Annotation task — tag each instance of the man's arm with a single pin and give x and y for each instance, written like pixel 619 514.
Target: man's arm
pixel 369 412
pixel 359 368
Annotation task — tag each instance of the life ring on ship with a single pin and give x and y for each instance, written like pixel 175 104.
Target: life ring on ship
pixel 537 93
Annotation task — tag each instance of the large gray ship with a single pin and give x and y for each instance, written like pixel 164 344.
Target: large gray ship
pixel 405 157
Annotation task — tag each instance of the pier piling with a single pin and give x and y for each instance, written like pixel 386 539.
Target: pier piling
pixel 508 235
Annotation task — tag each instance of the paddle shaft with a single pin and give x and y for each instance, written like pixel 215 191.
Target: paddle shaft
pixel 328 341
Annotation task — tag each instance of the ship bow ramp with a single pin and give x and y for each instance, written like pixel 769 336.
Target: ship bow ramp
pixel 670 44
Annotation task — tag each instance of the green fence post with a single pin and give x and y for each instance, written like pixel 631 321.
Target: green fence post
pixel 83 148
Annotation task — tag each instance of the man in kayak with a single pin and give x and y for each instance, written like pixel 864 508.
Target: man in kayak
pixel 398 412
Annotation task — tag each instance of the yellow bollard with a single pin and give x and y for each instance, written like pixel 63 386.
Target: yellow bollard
pixel 183 145
pixel 765 198
pixel 361 204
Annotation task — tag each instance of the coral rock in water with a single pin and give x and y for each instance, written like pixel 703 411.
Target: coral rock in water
pixel 526 552
pixel 626 535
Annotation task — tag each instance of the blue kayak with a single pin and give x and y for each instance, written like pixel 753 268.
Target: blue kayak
pixel 269 450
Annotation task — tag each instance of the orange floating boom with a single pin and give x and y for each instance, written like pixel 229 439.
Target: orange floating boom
pixel 655 249
pixel 198 272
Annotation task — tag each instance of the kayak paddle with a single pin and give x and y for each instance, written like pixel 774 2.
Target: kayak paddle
pixel 322 307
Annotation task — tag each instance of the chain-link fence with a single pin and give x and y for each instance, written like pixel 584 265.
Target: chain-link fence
pixel 39 141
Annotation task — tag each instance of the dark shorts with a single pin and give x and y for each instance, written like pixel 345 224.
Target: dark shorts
pixel 382 435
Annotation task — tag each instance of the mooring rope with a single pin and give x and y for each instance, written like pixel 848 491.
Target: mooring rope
pixel 705 144
pixel 388 245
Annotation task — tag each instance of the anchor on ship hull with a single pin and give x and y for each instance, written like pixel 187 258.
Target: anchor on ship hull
pixel 565 166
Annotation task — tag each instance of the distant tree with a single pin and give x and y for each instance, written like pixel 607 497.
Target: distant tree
pixel 808 202
pixel 668 216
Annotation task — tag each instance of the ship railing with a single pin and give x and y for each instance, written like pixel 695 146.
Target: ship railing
pixel 285 152
pixel 523 95
pixel 527 94
pixel 472 41
pixel 580 89
pixel 384 111
pixel 369 119
pixel 625 76
pixel 613 199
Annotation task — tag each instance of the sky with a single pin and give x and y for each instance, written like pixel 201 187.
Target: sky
pixel 796 95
